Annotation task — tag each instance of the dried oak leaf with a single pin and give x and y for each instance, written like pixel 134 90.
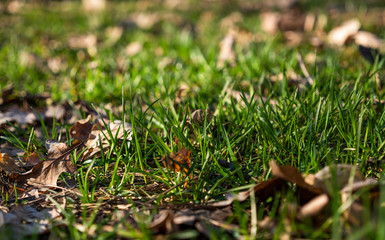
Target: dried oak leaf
pixel 178 161
pixel 47 172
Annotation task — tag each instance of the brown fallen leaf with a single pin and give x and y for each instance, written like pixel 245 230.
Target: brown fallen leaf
pixel 292 175
pixel 82 129
pixel 99 136
pixel 369 45
pixel 143 20
pixel 368 39
pixel 226 53
pixel 94 5
pixel 15 6
pixel 339 35
pixel 25 221
pixel 343 172
pixel 199 116
pixel 82 41
pixel 355 210
pixel 133 48
pixel 7 164
pixel 48 172
pixel 163 222
pixel 33 158
pixel 231 20
pixel 270 21
pixel 290 21
pixel 178 161
pixel 113 34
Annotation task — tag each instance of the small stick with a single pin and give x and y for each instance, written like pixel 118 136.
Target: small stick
pixel 303 68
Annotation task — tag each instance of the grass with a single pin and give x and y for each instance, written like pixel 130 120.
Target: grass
pixel 339 119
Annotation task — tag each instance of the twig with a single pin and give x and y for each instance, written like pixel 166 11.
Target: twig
pixel 172 188
pixel 301 63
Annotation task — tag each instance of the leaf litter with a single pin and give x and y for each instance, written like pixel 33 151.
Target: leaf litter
pixel 314 193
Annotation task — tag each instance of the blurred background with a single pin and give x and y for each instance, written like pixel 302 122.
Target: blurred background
pixel 73 48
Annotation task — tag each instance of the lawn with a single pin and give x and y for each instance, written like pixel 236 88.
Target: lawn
pixel 192 119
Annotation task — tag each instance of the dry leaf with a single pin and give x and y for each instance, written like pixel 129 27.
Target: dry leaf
pixel 291 174
pixel 94 5
pixel 56 64
pixel 82 129
pixel 324 178
pixel 355 211
pixel 26 221
pixel 199 116
pixel 294 38
pixel 231 20
pixel 178 161
pixel 269 22
pixel 144 20
pixel 33 158
pixel 369 45
pixel 14 6
pixel 82 41
pixel 47 172
pixel 339 35
pixel 163 222
pixel 8 164
pixel 113 34
pixel 133 48
pixel 293 20
pixel 368 39
pixel 99 135
pixel 16 115
pixel 227 54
